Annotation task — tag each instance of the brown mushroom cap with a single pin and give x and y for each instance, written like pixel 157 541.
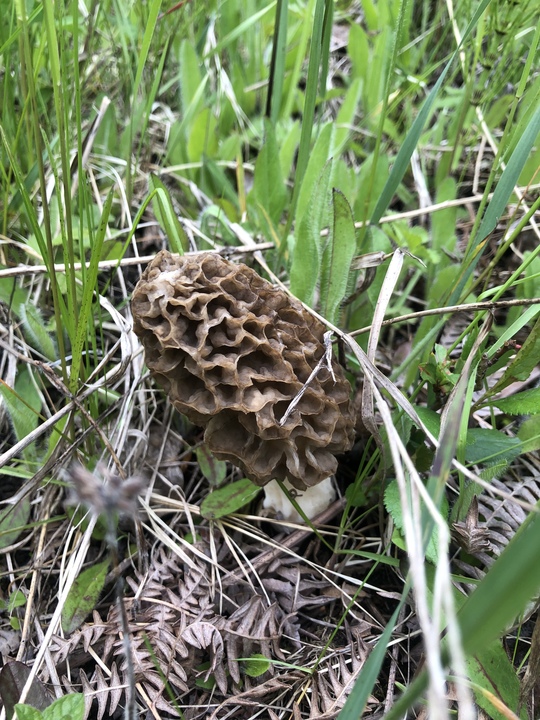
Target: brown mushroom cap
pixel 232 352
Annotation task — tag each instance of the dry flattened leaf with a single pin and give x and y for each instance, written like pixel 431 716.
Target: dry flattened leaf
pixel 87 690
pixel 88 635
pixel 469 535
pixel 13 677
pixel 204 636
pixel 250 696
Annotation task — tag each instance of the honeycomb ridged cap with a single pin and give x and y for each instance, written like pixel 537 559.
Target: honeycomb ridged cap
pixel 232 351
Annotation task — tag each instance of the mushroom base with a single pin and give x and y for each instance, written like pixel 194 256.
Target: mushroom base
pixel 313 501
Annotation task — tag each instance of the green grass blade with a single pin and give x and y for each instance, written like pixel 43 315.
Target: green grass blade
pixel 240 29
pixel 153 14
pixel 325 49
pixel 166 216
pixel 503 191
pixel 363 687
pixel 88 294
pixel 500 597
pixel 509 179
pixel 312 85
pixel 277 63
pixel 411 141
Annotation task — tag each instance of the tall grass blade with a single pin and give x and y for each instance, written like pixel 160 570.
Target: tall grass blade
pixel 411 141
pixel 312 84
pixel 500 597
pixel 277 63
pixel 499 201
pixel 166 216
pixel 88 294
pixel 363 687
pixel 153 14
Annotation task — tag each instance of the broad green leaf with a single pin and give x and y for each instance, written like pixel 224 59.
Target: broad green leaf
pixel 358 51
pixel 523 403
pixel 23 403
pixel 375 83
pixel 369 185
pixel 34 330
pixel 306 263
pixel 190 78
pixel 288 146
pixel 228 499
pixel 83 596
pixel 15 600
pixel 69 707
pixel 206 681
pixel 337 257
pixel 214 470
pixel 443 222
pixel 392 503
pixel 27 712
pixel 319 162
pixel 346 115
pixel 30 316
pixel 493 677
pixel 13 519
pixel 256 665
pixel 166 216
pixel 529 434
pixel 490 446
pixel 202 138
pixel 268 187
pixel 219 184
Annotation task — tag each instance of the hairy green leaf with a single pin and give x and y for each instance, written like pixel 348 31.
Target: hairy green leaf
pixel 83 596
pixel 13 519
pixel 27 712
pixel 337 257
pixel 268 187
pixel 306 264
pixel 68 707
pixel 214 470
pixel 523 403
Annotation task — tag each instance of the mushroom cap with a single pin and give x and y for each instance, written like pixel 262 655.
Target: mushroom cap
pixel 232 351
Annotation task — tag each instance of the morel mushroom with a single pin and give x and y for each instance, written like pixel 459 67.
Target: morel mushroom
pixel 232 352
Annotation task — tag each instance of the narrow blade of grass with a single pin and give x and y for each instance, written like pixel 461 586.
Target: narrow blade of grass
pixel 413 136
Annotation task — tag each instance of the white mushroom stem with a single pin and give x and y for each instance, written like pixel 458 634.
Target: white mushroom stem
pixel 312 501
